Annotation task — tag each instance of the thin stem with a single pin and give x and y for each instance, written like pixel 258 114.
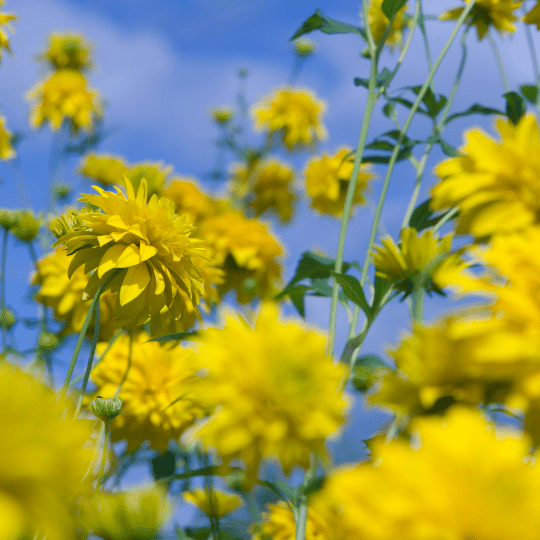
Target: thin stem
pixel 296 69
pixel 90 358
pixel 301 511
pixel 499 61
pixel 83 331
pixel 418 302
pixel 3 285
pixel 426 41
pixel 534 56
pixel 209 489
pixel 105 432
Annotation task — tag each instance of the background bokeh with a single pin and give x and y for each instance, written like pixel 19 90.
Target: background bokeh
pixel 161 66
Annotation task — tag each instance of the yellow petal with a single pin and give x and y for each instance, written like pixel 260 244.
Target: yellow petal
pixel 135 282
pixel 110 259
pixel 147 251
pixel 130 256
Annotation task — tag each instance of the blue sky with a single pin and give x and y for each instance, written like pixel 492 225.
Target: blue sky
pixel 162 66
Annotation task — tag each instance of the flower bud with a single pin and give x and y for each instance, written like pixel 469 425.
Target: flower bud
pixel 7 218
pixel 48 341
pixel 26 226
pixel 106 408
pixel 7 318
pixel 61 192
pixel 222 115
pixel 304 47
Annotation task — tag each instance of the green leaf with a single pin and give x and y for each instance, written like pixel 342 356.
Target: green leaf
pixel 366 370
pixel 285 492
pixel 179 336
pixel 473 109
pixel 422 217
pixel 353 290
pixel 296 293
pixel 329 26
pixel 203 471
pixel 530 92
pixel 381 287
pixel 163 465
pixel 382 79
pixel 391 7
pixel 515 106
pixel 389 110
pixel 314 485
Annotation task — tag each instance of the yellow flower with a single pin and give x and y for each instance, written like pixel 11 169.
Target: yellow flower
pixel 296 114
pixel 5 19
pixel 533 16
pixel 68 51
pixel 155 175
pixel 266 185
pixel 486 13
pixel 45 457
pixel 144 251
pixel 222 115
pixel 276 392
pixel 495 184
pixel 327 180
pixel 219 505
pixel 246 251
pixel 190 199
pixel 157 402
pixel 105 169
pixel 462 479
pixel 64 96
pixel 65 295
pixel 416 253
pixel 378 22
pixel 138 513
pixel 6 150
pixel 279 524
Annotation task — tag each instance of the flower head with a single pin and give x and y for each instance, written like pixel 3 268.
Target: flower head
pixel 425 253
pixel 219 504
pixel 266 186
pixel 222 115
pixel 6 149
pixel 157 402
pixel 462 479
pixel 495 184
pixel 68 51
pixel 5 19
pixel 246 251
pixel 275 392
pixel 486 13
pixel 296 114
pixel 45 457
pixel 141 250
pixel 65 96
pixel 378 22
pixel 279 524
pixel 327 180
pixel 103 168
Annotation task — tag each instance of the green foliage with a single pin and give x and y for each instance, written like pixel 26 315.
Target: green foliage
pixel 515 106
pixel 391 7
pixel 473 109
pixel 423 218
pixel 366 370
pixel 530 92
pixel 178 336
pixel 329 26
pixel 382 78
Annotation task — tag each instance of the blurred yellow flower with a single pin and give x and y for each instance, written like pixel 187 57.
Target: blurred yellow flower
pixel 246 251
pixel 105 169
pixel 68 51
pixel 136 514
pixel 495 184
pixel 279 524
pixel 462 479
pixel 157 402
pixel 276 392
pixel 327 181
pixel 6 149
pixel 296 114
pixel 64 96
pixel 44 455
pixel 266 185
pixel 486 13
pixel 65 295
pixel 144 248
pixel 533 16
pixel 378 22
pixel 219 505
pixel 416 253
pixel 155 174
pixel 5 19
pixel 190 199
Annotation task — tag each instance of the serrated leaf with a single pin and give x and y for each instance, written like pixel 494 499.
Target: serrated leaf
pixel 473 109
pixel 329 26
pixel 353 290
pixel 530 91
pixel 391 7
pixel 515 106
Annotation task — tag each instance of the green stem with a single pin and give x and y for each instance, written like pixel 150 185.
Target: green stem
pixel 534 56
pixel 3 285
pixel 104 431
pixel 418 303
pixel 426 41
pixel 209 489
pixel 90 358
pixel 83 331
pixel 301 511
pixel 499 61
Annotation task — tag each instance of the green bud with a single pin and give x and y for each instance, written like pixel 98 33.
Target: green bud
pixel 48 341
pixel 26 226
pixel 304 47
pixel 61 191
pixel 222 115
pixel 7 318
pixel 8 218
pixel 249 285
pixel 106 408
